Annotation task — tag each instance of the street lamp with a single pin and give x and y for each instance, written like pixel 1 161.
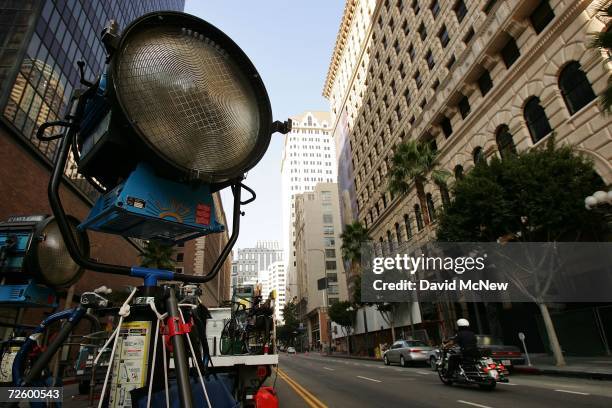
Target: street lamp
pixel 350 309
pixel 325 299
pixel 599 200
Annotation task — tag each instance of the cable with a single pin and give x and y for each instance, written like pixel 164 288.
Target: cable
pixel 160 317
pixel 124 311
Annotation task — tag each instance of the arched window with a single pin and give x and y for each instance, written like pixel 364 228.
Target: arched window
pixel 398 233
pixel 444 195
pixel 458 172
pixel 407 227
pixel 505 143
pixel 389 240
pixel 575 87
pixel 418 216
pixel 536 119
pixel 431 209
pixel 478 155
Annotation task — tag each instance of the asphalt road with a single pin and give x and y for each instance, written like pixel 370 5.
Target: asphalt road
pixel 318 381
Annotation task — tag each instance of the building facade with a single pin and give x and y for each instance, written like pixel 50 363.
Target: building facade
pixel 308 158
pixel 320 273
pixel 277 278
pixel 41 43
pixel 248 262
pixel 474 79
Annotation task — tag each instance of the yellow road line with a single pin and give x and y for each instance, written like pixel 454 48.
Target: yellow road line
pixel 310 399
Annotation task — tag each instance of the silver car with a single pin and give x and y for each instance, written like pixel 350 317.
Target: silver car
pixel 407 351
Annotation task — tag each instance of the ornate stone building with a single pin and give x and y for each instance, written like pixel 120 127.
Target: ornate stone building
pixel 472 78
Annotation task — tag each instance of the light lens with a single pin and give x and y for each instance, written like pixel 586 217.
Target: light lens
pixel 189 100
pixel 54 261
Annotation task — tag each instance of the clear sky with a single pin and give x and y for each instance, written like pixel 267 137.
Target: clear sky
pixel 290 43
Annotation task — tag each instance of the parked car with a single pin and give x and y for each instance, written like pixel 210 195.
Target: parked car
pixel 432 358
pixel 290 350
pixel 495 348
pixel 407 351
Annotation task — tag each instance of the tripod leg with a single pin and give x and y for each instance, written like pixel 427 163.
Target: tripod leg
pixel 180 355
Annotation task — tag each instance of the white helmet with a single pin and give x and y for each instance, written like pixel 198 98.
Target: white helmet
pixel 463 323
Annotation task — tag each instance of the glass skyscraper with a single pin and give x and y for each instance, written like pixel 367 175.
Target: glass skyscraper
pixel 40 44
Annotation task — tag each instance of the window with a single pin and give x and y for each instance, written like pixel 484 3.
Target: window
pixel 478 155
pixel 411 52
pixel 464 106
pixel 402 70
pixel 435 85
pixel 405 27
pixel 460 10
pixel 447 128
pixel 422 32
pixel 458 172
pixel 443 36
pixel 444 194
pixel 430 60
pixel 396 47
pixel 179 269
pixel 415 7
pixel 505 143
pixel 329 242
pixel 431 210
pixel 330 265
pixel 330 253
pixel 423 103
pixel 398 113
pixel 418 216
pixel 435 8
pixel 398 233
pixel 510 52
pixel 575 87
pixel 407 97
pixel 418 79
pixel 489 6
pixel 485 83
pixel 332 277
pixel 541 16
pixel 468 37
pixel 407 227
pixel 179 257
pixel 537 121
pixel 327 219
pixel 328 229
pixel 451 62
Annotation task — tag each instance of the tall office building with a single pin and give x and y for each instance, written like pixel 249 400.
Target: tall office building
pixel 40 44
pixel 320 276
pixel 249 261
pixel 277 279
pixel 474 79
pixel 309 157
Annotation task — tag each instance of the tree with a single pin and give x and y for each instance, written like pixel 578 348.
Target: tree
pixel 290 329
pixel 603 42
pixel 536 196
pixel 353 237
pixel 157 255
pixel 412 162
pixel 343 314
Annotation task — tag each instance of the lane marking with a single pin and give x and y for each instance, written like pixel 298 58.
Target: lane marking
pixel 369 379
pixel 573 392
pixel 311 400
pixel 423 372
pixel 501 383
pixel 473 404
pixel 327 368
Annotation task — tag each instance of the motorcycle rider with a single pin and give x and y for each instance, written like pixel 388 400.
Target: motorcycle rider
pixel 465 338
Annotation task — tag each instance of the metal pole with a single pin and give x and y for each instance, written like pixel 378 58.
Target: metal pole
pixel 180 355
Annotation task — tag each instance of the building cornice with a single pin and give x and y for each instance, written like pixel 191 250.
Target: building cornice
pixel 341 39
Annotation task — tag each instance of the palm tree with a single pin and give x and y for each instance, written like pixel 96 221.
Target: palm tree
pixel 353 236
pixel 603 42
pixel 411 163
pixel 157 255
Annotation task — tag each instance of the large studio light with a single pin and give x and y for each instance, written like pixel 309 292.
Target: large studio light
pixel 180 95
pixel 33 247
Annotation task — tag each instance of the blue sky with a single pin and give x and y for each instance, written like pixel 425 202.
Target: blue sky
pixel 290 43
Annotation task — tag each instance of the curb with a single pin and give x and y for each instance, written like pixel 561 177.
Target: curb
pixel 563 373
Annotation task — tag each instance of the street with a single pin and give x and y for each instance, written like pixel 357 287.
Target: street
pixel 317 381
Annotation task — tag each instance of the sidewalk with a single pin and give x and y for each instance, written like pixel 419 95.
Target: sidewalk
pixel 583 367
